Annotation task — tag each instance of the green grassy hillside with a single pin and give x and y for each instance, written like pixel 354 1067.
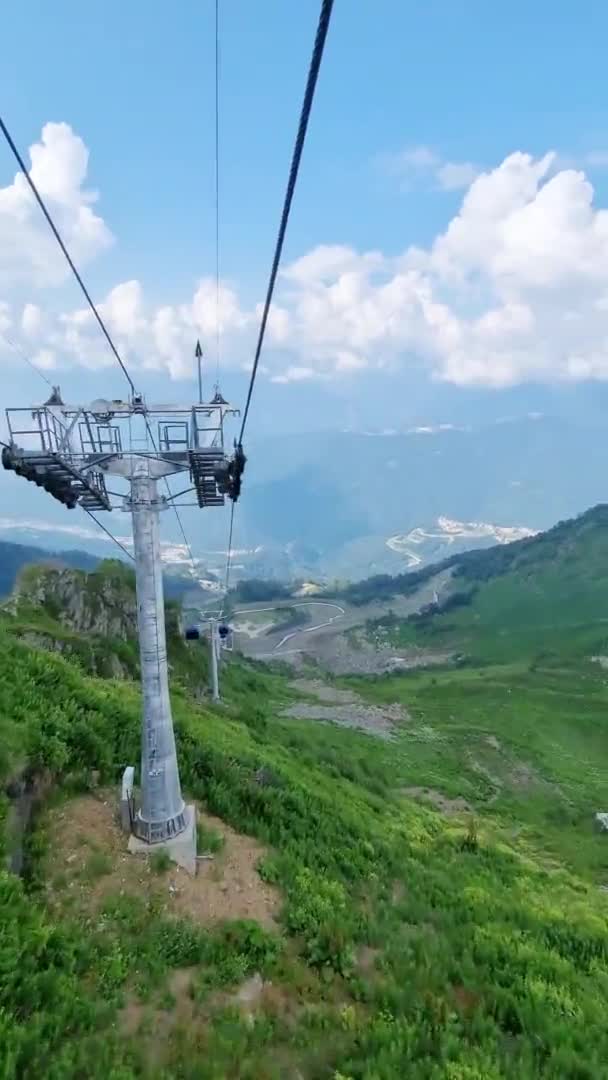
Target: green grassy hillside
pixel 577 545
pixel 539 597
pixel 441 909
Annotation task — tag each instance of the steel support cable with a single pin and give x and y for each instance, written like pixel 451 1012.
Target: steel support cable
pixel 95 312
pixel 228 560
pixel 182 530
pixel 93 518
pixel 19 352
pixel 65 251
pixel 309 93
pixel 108 533
pixel 311 83
pixel 173 506
pixel 217 192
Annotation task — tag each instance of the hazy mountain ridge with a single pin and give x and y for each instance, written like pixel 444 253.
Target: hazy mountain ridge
pixel 326 504
pixel 13 557
pixel 421 546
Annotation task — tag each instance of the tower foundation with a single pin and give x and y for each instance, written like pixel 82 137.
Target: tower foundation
pixel 181 848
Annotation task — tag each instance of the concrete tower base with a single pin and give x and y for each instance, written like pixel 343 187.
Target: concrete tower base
pixel 181 849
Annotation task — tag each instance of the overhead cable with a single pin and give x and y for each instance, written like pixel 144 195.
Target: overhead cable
pixel 108 533
pixel 65 251
pixel 217 191
pixel 228 559
pixel 98 317
pixel 311 83
pixel 309 93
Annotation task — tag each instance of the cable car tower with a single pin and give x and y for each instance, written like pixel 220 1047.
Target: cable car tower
pixel 70 451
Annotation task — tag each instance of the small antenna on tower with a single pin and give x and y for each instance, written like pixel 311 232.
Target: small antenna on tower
pixel 198 352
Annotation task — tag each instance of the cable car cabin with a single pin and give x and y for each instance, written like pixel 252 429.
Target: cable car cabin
pixel 192 633
pixel 225 636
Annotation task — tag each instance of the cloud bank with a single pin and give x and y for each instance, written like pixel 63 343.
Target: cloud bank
pixel 514 289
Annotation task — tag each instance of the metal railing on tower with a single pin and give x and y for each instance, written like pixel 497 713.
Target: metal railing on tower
pixel 71 451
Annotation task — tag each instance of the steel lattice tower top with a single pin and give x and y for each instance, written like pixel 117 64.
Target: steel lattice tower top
pixel 69 450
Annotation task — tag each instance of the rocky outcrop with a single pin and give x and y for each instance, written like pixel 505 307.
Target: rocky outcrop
pixel 90 618
pixel 102 603
pixel 93 653
pixel 24 793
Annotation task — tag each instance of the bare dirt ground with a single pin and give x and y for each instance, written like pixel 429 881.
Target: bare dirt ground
pixel 439 801
pixel 355 654
pixel 333 634
pixel 182 1019
pixel 88 862
pixel 345 709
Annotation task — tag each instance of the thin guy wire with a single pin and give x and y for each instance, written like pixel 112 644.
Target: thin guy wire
pixel 19 352
pixel 172 504
pixel 228 560
pixel 65 251
pixel 107 531
pixel 93 518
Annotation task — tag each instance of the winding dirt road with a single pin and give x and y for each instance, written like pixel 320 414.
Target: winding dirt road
pixel 267 638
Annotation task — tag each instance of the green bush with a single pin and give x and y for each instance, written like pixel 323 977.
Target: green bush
pixel 208 841
pixel 160 861
pixel 97 865
pixel 400 954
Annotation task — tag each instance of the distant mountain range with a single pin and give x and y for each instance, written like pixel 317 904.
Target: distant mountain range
pixel 542 597
pixel 351 504
pixel 419 546
pixel 15 556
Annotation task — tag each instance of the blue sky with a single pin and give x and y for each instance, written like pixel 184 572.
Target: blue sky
pixel 387 322
pixel 135 80
pixel 472 82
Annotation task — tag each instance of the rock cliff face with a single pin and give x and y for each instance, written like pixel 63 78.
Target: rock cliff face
pixel 91 617
pixel 102 603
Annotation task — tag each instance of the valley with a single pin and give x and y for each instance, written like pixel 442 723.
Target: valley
pixel 330 633
pixel 436 491
pixel 303 542
pixel 399 871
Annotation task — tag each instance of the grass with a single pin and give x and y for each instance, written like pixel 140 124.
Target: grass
pixel 412 943
pixel 160 862
pixel 208 841
pixel 97 865
pixel 525 747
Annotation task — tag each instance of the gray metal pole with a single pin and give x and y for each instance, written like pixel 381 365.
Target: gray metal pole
pixel 215 688
pixel 198 352
pixel 162 813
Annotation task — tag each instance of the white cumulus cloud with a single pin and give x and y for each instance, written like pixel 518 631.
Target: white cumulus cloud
pixel 421 164
pixel 514 288
pixel 28 251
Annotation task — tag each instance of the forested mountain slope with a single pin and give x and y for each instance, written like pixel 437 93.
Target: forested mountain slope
pixel 547 594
